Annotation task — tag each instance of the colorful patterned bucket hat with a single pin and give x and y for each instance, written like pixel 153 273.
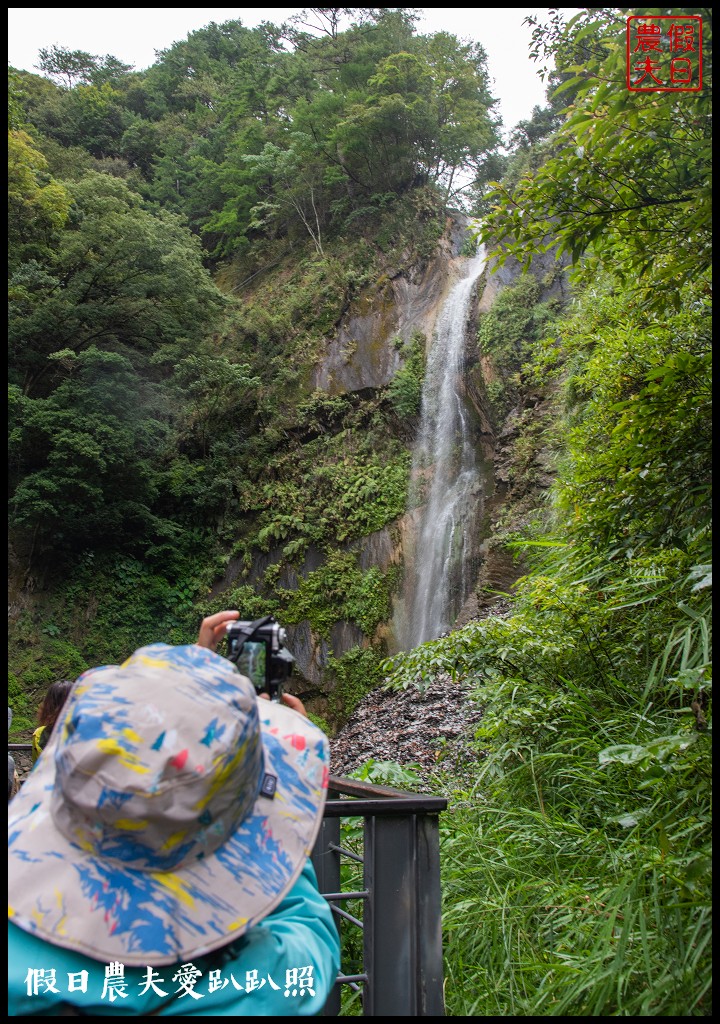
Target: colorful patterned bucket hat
pixel 170 811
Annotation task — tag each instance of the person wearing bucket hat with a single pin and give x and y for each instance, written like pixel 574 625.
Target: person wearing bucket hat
pixel 159 850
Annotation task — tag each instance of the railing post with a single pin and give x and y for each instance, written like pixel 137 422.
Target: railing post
pixel 402 924
pixel 326 861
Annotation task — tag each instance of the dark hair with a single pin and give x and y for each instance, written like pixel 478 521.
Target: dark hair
pixel 54 702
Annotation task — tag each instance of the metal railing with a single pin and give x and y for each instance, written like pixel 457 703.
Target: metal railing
pixel 399 873
pixel 399 892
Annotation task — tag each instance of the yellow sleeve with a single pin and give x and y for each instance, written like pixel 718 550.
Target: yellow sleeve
pixel 37 743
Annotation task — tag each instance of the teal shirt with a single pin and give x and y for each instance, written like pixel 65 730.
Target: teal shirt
pixel 283 967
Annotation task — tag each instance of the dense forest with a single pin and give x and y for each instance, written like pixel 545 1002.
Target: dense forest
pixel 184 242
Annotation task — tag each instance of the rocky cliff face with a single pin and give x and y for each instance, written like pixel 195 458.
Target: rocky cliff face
pixel 428 730
pixel 364 356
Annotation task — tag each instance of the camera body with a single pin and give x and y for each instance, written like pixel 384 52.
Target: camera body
pixel 258 649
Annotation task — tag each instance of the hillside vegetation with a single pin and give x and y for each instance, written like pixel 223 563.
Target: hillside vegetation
pixel 577 853
pixel 183 245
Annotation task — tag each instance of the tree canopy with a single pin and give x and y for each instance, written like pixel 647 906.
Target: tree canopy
pixel 627 174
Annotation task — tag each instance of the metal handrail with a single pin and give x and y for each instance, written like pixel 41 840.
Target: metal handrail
pixel 401 926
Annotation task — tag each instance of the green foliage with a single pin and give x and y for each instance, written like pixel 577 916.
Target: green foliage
pixel 129 604
pixel 589 813
pixel 38 206
pixel 587 820
pixel 252 142
pixel 630 202
pixel 516 320
pixel 89 421
pixel 296 187
pixel 405 389
pixel 575 861
pixel 508 333
pixel 22 702
pixel 129 279
pixel 84 454
pixel 390 773
pixel 72 67
pixel 340 591
pixel 214 394
pixel 333 489
pixel 246 600
pixel 425 116
pixel 357 672
pixel 16 114
pixel 320 722
pixel 92 116
pixel 577 848
pixel 469 245
pixel 641 449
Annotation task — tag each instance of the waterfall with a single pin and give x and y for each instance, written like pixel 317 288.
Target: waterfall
pixel 445 481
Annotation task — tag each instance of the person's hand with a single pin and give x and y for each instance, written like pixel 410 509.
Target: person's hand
pixel 212 629
pixel 292 702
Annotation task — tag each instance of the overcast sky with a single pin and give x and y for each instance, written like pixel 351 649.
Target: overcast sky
pixel 133 34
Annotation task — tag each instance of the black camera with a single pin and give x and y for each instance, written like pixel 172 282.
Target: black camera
pixel 258 649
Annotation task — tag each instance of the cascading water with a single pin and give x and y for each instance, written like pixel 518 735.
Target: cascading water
pixel 446 481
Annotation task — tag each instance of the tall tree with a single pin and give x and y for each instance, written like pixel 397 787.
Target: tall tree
pixel 293 183
pixel 426 116
pixel 67 66
pixel 74 67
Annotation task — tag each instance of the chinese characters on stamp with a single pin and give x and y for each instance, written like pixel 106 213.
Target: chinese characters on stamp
pixel 664 53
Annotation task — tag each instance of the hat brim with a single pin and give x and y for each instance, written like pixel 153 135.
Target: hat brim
pixel 74 899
